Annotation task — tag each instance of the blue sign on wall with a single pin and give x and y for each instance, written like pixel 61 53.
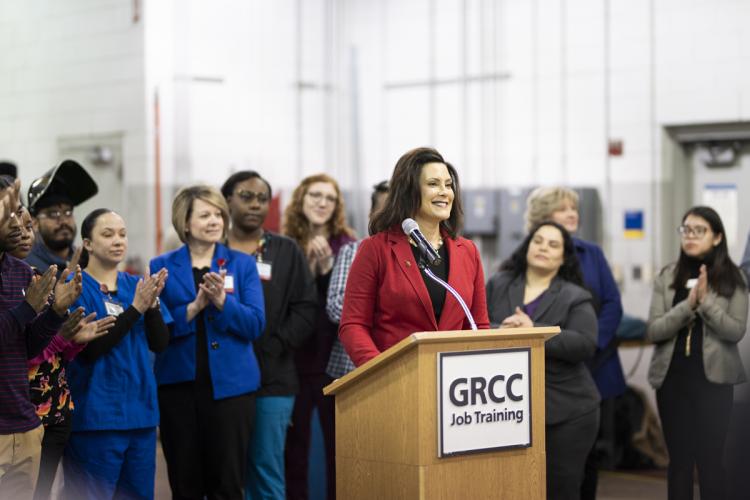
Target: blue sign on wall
pixel 634 224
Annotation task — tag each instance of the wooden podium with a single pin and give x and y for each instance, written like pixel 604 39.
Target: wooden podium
pixel 387 425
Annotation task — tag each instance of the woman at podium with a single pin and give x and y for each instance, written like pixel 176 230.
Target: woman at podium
pixel 541 285
pixel 388 294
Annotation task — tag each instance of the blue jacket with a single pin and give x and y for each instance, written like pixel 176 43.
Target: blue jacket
pixel 599 280
pixel 229 333
pixel 117 391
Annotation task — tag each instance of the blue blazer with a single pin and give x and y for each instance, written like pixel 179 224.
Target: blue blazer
pixel 229 333
pixel 598 279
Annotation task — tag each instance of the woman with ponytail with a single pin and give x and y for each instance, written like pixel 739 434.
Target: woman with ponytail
pixel 698 315
pixel 112 450
pixel 48 388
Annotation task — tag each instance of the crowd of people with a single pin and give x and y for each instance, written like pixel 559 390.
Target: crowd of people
pixel 223 348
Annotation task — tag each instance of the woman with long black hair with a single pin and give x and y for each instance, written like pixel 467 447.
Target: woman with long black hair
pixel 698 314
pixel 541 285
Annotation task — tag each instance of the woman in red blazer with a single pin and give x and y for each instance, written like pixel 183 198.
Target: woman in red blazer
pixel 387 296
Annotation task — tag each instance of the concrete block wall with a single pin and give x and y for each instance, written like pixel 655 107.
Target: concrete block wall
pixel 71 70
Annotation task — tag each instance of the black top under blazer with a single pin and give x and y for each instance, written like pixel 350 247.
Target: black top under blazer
pixel 570 390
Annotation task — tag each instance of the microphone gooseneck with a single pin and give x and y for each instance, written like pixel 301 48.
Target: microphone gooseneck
pixel 411 229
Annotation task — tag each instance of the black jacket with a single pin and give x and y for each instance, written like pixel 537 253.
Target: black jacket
pixel 569 388
pixel 291 307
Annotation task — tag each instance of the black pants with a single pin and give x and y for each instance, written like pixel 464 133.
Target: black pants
pixel 205 442
pixel 695 416
pixel 601 454
pixel 298 437
pixel 53 444
pixel 568 445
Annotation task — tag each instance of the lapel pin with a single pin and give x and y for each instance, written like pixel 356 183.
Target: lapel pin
pixel 408 263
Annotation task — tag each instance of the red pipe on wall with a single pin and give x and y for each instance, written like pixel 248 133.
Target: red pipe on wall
pixel 157 173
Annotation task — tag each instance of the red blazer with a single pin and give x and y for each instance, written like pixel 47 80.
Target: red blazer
pixel 386 299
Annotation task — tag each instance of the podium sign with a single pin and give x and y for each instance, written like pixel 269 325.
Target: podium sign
pixel 484 400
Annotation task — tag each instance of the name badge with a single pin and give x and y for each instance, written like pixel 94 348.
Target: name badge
pixel 689 284
pixel 229 283
pixel 264 270
pixel 113 309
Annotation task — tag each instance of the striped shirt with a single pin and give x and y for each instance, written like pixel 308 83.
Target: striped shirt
pixel 23 335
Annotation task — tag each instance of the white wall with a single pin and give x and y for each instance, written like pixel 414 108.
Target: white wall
pixel 73 69
pixel 523 91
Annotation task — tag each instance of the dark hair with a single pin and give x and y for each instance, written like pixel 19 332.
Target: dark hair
pixel 87 226
pixel 378 189
pixel 723 275
pixel 570 270
pixel 405 195
pixel 228 187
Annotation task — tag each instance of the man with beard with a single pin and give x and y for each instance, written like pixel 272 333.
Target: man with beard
pixel 27 325
pixel 290 297
pixel 52 198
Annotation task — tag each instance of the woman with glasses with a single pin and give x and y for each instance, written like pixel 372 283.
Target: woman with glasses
pixel 208 374
pixel 698 315
pixel 291 304
pixel 316 219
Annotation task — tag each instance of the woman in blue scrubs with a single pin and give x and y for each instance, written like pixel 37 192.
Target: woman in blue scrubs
pixel 112 449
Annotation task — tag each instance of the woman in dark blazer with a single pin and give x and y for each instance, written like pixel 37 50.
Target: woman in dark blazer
pixel 698 314
pixel 387 296
pixel 560 204
pixel 541 285
pixel 208 372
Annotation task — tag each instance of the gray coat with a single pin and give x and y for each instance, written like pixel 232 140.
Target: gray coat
pixel 570 390
pixel 724 322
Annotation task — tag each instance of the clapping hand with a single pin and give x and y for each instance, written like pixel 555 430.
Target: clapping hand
pixel 81 330
pixel 161 277
pixel 67 292
pixel 9 201
pixel 40 288
pixel 700 289
pixel 148 289
pixel 213 288
pixel 319 255
pixel 518 319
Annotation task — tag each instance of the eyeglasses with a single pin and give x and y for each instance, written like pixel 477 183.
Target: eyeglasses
pixel 698 231
pixel 249 197
pixel 56 214
pixel 317 196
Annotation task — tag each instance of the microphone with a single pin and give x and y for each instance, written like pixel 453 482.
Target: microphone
pixel 411 229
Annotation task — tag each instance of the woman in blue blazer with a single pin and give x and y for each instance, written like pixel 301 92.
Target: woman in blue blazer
pixel 208 373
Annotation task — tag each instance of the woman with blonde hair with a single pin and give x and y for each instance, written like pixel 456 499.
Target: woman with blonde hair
pixel 316 219
pixel 560 204
pixel 208 373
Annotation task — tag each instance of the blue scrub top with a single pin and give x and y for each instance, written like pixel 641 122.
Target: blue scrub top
pixel 118 390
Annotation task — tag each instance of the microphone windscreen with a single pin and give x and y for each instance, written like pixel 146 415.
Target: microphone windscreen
pixel 409 225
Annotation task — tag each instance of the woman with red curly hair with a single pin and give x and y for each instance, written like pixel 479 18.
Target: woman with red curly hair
pixel 316 219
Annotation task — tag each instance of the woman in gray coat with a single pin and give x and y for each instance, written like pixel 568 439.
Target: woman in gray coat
pixel 698 314
pixel 541 285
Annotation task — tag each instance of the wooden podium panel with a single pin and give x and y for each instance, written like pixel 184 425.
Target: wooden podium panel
pixel 387 420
